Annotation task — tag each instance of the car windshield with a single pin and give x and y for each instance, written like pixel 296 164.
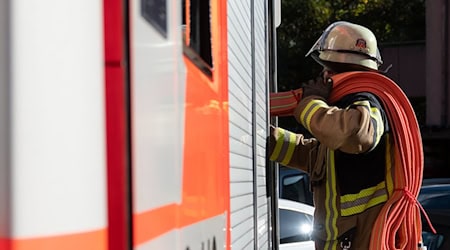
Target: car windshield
pixel 295 226
pixel 436 202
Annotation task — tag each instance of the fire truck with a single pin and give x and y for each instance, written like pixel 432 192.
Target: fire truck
pixel 136 124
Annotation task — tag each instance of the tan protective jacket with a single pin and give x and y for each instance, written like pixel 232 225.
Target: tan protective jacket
pixel 348 159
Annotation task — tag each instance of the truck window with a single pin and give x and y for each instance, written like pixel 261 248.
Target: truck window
pixel 197 34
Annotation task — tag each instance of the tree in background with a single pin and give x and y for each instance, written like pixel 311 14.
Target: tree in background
pixel 303 21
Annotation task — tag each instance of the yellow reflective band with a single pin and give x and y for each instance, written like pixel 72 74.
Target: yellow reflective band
pixel 334 201
pixel 369 197
pixel 362 103
pixel 290 150
pixel 330 201
pixel 278 145
pixel 376 115
pixel 310 115
pixel 363 193
pixel 331 245
pixel 360 208
pixel 303 114
pixel 328 210
pixel 308 112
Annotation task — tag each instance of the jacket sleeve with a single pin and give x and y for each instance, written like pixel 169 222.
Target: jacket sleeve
pixel 290 149
pixel 354 129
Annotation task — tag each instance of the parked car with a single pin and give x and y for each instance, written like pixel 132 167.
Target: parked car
pixel 434 196
pixel 296 224
pixel 432 181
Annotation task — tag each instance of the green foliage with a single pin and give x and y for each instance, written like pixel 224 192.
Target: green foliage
pixel 304 20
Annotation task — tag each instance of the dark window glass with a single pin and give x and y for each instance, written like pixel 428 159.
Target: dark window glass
pixel 294 188
pixel 433 241
pixel 155 12
pixel 295 226
pixel 437 202
pixel 199 49
pixel 200 37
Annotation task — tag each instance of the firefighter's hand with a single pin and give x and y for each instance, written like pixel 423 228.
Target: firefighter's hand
pixel 318 87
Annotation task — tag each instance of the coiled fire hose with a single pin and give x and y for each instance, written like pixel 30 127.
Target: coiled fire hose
pixel 398 225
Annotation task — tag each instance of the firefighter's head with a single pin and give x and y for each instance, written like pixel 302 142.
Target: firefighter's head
pixel 345 46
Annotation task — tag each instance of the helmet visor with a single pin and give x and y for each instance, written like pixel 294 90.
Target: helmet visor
pixel 319 45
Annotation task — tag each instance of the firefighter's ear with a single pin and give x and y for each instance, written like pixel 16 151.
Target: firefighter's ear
pixel 329 82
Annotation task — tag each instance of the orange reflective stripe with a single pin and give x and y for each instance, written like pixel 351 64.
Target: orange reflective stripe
pixel 153 223
pixel 87 240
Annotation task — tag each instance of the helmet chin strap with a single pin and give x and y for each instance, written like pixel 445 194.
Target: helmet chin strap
pixel 343 67
pixel 386 69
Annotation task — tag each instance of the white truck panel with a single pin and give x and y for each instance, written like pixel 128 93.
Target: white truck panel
pixel 158 84
pixel 248 122
pixel 58 168
pixel 4 122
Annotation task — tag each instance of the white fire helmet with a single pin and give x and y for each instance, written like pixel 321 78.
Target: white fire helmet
pixel 345 46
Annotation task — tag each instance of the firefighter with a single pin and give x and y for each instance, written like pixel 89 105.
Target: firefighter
pixel 348 156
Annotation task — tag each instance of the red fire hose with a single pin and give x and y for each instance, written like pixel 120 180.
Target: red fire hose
pixel 398 225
